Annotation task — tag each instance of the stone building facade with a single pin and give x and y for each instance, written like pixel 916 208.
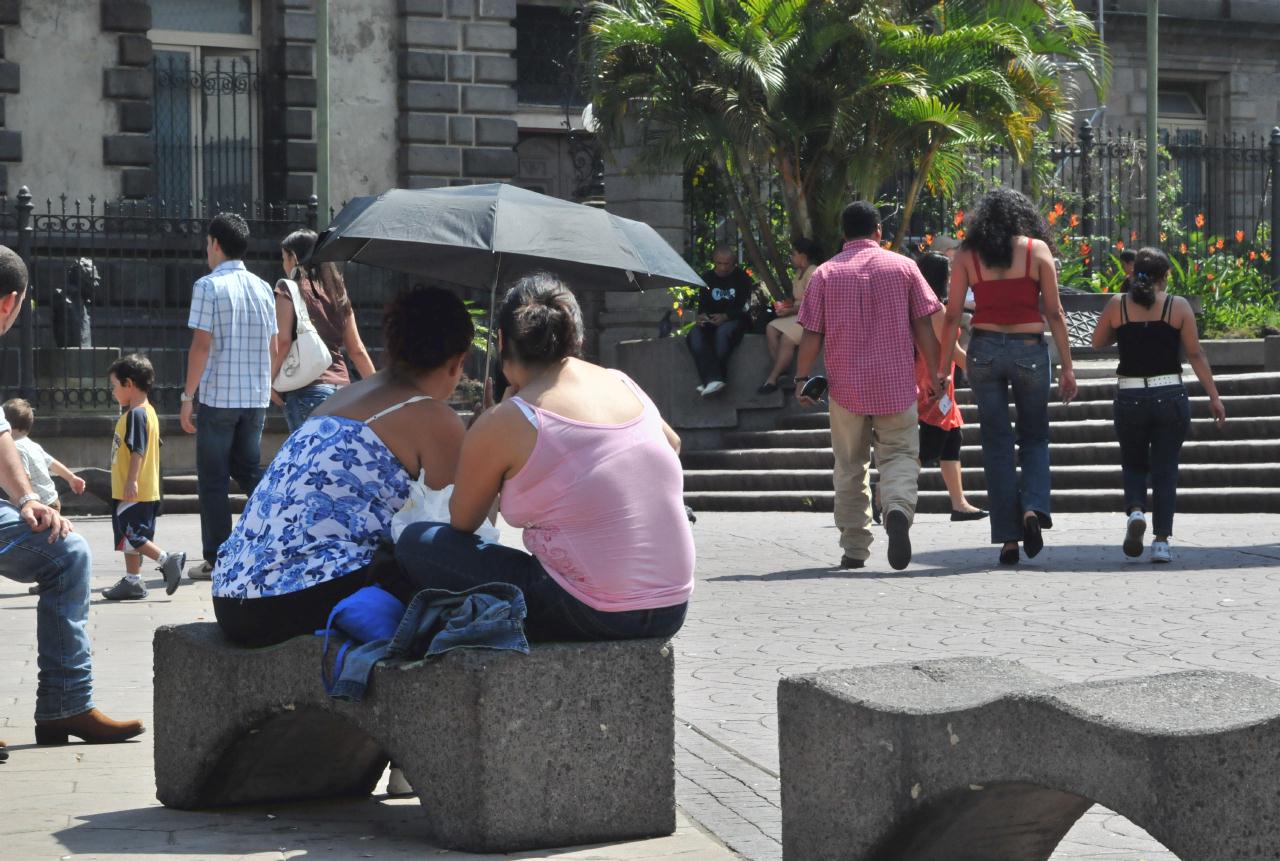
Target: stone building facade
pixel 1219 65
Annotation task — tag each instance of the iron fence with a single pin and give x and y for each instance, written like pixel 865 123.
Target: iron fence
pixel 109 279
pixel 1219 186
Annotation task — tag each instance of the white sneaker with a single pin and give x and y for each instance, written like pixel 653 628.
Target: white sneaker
pixel 712 387
pixel 1133 534
pixel 1160 552
pixel 698 388
pixel 397 786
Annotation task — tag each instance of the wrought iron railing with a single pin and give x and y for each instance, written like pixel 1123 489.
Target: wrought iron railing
pixel 207 129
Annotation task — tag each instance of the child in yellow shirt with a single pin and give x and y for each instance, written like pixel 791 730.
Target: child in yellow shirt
pixel 135 481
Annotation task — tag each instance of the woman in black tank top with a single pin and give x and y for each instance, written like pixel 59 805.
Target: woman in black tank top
pixel 1152 412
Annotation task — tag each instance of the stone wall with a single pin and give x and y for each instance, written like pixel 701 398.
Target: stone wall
pixel 128 83
pixel 63 54
pixel 289 30
pixel 363 40
pixel 456 101
pixel 1241 85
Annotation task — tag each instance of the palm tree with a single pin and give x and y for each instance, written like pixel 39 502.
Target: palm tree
pixel 828 99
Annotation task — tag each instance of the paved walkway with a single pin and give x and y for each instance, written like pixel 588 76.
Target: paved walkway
pixel 767 605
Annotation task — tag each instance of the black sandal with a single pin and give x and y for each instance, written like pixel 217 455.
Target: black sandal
pixel 1009 554
pixel 1032 540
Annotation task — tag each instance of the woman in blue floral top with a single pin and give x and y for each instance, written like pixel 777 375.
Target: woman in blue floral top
pixel 308 535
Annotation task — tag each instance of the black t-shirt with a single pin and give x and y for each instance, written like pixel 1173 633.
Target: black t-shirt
pixel 730 295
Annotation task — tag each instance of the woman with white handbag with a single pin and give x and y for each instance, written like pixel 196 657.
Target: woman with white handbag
pixel 315 322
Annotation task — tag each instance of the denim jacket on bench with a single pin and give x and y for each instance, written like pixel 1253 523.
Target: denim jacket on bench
pixel 489 616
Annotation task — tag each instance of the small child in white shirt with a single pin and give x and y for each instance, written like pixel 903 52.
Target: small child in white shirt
pixel 39 465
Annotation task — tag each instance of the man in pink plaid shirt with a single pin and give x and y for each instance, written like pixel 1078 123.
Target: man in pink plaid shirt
pixel 869 308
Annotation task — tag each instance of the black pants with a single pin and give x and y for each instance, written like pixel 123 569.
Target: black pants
pixel 267 621
pixel 712 345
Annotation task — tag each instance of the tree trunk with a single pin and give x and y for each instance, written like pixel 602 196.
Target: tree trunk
pixel 797 205
pixel 754 253
pixel 917 183
pixel 777 263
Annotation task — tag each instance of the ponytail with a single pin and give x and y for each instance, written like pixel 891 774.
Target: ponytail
pixel 327 277
pixel 1150 270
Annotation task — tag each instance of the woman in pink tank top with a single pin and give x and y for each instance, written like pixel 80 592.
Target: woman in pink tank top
pixel 583 462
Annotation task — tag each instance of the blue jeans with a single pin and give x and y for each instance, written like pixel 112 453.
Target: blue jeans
pixel 712 345
pixel 1151 425
pixel 228 445
pixel 997 365
pixel 299 403
pixel 436 556
pixel 64 684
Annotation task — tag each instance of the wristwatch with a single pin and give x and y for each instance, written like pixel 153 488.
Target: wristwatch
pixel 23 500
pixel 186 398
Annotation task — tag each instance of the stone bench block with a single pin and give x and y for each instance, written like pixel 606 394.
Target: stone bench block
pixel 571 744
pixel 984 760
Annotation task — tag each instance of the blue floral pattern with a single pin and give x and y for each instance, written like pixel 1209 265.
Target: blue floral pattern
pixel 319 512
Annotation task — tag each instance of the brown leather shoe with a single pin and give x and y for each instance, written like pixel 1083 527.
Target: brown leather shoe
pixel 92 726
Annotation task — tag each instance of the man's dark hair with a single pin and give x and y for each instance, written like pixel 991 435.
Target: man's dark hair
pixel 1128 255
pixel 19 414
pixel 13 272
pixel 135 368
pixel 231 233
pixel 859 220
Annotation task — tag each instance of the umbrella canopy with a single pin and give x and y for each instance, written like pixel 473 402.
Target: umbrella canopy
pixel 474 235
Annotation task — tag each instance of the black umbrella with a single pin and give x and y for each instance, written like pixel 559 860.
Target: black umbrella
pixel 478 234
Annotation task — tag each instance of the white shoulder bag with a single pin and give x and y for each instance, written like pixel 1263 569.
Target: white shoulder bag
pixel 309 355
pixel 425 505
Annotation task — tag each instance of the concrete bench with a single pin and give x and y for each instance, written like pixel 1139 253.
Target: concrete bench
pixel 984 760
pixel 571 744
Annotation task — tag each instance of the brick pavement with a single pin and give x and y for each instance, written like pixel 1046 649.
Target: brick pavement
pixel 767 605
pixel 98 802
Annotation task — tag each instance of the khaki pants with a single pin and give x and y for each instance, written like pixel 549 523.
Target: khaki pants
pixel 897 447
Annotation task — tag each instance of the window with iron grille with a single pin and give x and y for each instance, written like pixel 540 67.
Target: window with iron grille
pixel 208 107
pixel 547 56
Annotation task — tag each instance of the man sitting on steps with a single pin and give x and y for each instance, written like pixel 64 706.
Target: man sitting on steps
pixel 38 546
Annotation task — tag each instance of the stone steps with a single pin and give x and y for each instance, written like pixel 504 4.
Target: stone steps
pixel 1231 469
pixel 1101 477
pixel 1222 500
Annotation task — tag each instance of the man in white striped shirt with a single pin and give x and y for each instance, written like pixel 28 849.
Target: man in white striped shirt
pixel 233 323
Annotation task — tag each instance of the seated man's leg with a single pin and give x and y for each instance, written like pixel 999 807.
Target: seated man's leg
pixel 702 346
pixel 728 335
pixel 65 681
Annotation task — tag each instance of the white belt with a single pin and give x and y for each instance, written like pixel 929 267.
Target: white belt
pixel 1149 382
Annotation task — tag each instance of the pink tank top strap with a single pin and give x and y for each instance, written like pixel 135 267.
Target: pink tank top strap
pixel 977 263
pixel 1031 244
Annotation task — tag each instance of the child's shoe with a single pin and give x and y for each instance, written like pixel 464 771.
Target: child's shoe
pixel 171 568
pixel 126 590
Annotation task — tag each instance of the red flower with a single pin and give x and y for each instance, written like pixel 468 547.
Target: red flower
pixel 1058 208
pixel 1209 276
pixel 1085 249
pixel 1163 236
pixel 1075 220
pixel 1200 221
pixel 1183 248
pixel 959 234
pixel 959 219
pixel 1053 217
pixel 1239 236
pixel 928 239
pixel 1120 244
pixel 1253 255
pixel 1221 244
pixel 1133 236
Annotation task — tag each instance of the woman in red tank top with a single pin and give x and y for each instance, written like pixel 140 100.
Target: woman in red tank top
pixel 1006 261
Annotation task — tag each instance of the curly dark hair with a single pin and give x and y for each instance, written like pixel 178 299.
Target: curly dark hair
pixel 424 327
pixel 999 216
pixel 540 321
pixel 231 232
pixel 134 367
